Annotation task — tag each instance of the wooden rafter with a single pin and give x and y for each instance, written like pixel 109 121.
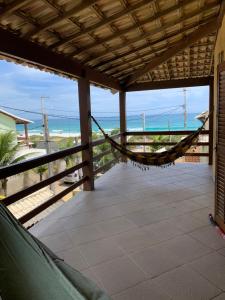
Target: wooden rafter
pixel 166 84
pixel 123 74
pixel 104 65
pixel 164 32
pixel 199 33
pixel 113 28
pixel 147 35
pixel 152 32
pixel 77 9
pixel 141 30
pixel 11 7
pixel 19 49
pixel 103 23
pixel 146 60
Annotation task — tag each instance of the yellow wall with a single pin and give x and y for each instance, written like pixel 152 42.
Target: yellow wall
pixel 220 46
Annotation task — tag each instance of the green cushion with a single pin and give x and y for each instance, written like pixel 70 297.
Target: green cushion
pixel 29 270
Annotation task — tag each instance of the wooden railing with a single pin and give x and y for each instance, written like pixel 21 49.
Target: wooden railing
pixel 24 166
pixel 18 168
pixel 167 143
pixel 98 157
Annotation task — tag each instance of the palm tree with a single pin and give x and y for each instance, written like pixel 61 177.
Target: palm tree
pixel 158 139
pixel 69 159
pixel 8 150
pixel 41 170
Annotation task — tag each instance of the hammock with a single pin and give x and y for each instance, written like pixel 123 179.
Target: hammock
pixel 164 158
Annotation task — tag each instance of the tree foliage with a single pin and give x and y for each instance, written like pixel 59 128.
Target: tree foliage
pixel 40 170
pixel 8 150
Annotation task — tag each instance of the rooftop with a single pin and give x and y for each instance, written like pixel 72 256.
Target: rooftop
pixel 17 119
pixel 143 235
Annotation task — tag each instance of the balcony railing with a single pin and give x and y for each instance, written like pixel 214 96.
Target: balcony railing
pixel 167 143
pixel 30 164
pixel 18 168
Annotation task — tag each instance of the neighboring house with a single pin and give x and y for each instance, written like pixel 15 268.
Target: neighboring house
pixel 9 121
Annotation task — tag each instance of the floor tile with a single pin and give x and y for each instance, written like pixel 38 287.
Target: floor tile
pixel 100 251
pixel 212 267
pixel 115 226
pixel 119 274
pixel 185 284
pixel 85 234
pixel 134 240
pixel 143 291
pixel 155 260
pixel 163 230
pixel 74 258
pixel 186 223
pixel 209 236
pixel 143 233
pixel 57 242
pixel 185 248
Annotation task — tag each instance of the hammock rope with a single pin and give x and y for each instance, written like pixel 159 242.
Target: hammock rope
pixel 164 158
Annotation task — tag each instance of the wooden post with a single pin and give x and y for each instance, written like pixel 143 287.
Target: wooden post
pixel 86 131
pixel 26 134
pixel 211 109
pixel 123 125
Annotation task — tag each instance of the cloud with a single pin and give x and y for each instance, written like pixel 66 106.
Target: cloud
pixel 23 86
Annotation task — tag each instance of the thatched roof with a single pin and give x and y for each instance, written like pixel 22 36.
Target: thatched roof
pixel 120 37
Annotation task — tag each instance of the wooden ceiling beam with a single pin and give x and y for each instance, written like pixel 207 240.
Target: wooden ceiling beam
pixel 168 84
pixel 142 37
pixel 176 69
pixel 11 7
pixel 105 63
pixel 77 9
pixel 103 22
pixel 151 19
pixel 114 68
pixel 137 63
pixel 199 33
pixel 20 49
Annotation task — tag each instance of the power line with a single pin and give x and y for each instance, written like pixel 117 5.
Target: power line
pixel 38 113
pixel 113 118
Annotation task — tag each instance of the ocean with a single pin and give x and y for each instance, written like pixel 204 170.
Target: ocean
pixel 71 126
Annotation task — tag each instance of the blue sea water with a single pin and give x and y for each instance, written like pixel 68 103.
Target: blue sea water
pixel 134 123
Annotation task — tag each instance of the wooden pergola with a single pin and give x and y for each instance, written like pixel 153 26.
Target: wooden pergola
pixel 122 45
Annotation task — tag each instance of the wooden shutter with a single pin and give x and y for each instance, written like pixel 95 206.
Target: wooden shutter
pixel 220 150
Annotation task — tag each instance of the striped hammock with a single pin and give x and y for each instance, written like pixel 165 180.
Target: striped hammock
pixel 164 158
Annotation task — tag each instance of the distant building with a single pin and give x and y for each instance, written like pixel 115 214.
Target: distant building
pixel 9 121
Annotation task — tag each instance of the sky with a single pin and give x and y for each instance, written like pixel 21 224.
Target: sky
pixel 22 87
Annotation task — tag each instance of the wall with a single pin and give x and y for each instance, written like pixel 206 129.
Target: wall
pixel 6 123
pixel 219 48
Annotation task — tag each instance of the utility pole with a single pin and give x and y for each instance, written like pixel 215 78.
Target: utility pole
pixel 185 107
pixel 143 125
pixel 46 138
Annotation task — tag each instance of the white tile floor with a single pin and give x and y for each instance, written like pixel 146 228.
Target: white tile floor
pixel 143 235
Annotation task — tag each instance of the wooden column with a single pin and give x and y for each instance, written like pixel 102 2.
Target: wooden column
pixel 123 123
pixel 211 111
pixel 86 131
